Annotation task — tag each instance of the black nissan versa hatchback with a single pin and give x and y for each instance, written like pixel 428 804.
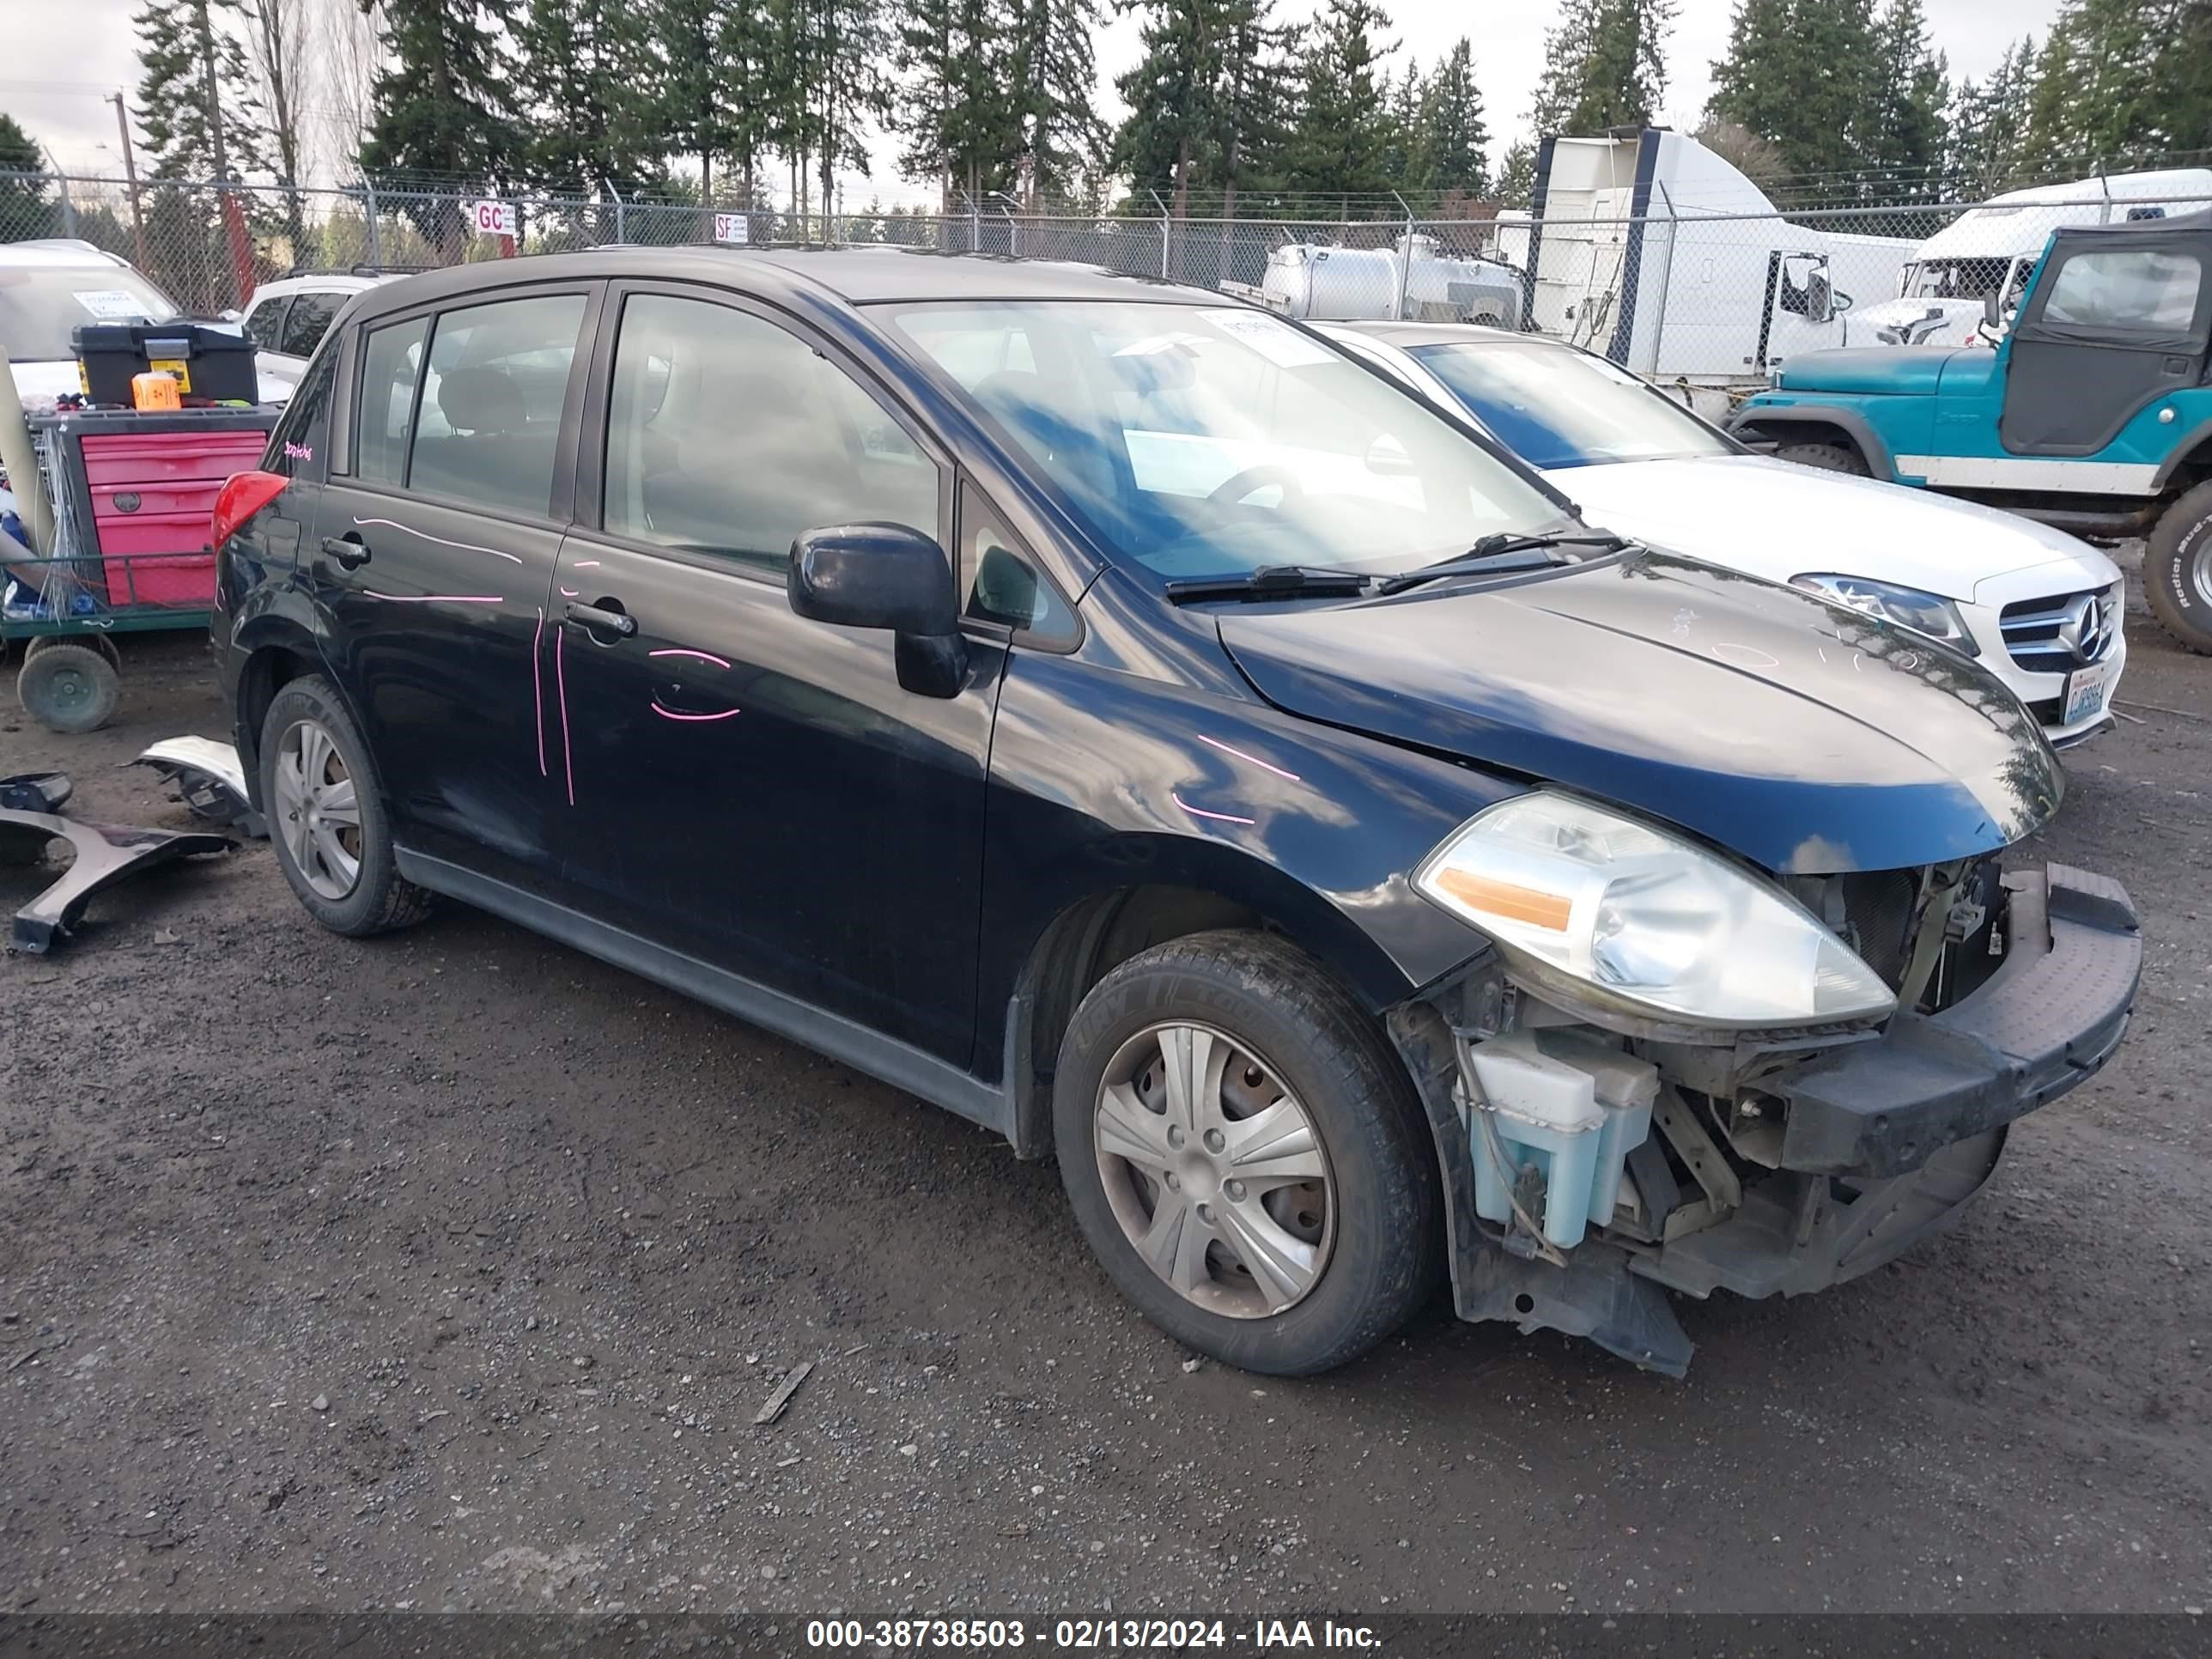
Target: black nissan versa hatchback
pixel 1112 713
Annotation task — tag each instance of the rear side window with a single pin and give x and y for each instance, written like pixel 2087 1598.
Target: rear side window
pixel 489 424
pixel 2131 290
pixel 390 361
pixel 309 319
pixel 726 434
pixel 264 324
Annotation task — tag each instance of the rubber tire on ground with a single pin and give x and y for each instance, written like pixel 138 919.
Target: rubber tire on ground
pixel 2182 535
pixel 1829 458
pixel 67 686
pixel 1383 1162
pixel 381 900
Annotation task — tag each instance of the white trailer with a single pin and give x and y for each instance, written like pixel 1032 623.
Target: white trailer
pixel 1414 280
pixel 1987 252
pixel 1650 249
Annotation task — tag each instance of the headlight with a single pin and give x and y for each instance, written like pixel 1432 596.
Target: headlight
pixel 1908 607
pixel 1657 924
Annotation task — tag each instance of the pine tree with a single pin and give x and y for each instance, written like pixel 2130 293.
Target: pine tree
pixel 189 128
pixel 1343 139
pixel 584 130
pixel 1450 138
pixel 1516 176
pixel 958 110
pixel 842 84
pixel 277 51
pixel 443 104
pixel 1256 102
pixel 1062 137
pixel 1174 95
pixel 26 210
pixel 1903 133
pixel 1604 66
pixel 1803 75
pixel 1989 124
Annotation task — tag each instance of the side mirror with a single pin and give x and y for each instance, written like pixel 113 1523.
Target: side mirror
pixel 1992 310
pixel 874 575
pixel 888 576
pixel 1820 298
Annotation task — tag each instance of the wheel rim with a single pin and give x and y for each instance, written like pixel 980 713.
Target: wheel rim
pixel 2200 570
pixel 1214 1170
pixel 317 811
pixel 70 690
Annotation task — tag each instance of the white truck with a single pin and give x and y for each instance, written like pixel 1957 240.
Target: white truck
pixel 1648 248
pixel 1987 252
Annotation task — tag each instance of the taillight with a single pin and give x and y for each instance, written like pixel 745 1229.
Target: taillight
pixel 242 495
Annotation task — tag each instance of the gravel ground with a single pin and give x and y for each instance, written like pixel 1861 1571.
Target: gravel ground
pixel 449 1270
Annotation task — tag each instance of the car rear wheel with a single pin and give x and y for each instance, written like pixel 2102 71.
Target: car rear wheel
pixel 326 817
pixel 1245 1155
pixel 2178 571
pixel 1829 458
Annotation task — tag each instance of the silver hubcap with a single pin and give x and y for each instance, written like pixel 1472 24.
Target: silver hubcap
pixel 1214 1171
pixel 317 812
pixel 2200 567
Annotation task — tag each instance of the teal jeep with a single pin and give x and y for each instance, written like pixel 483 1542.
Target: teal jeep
pixel 2093 413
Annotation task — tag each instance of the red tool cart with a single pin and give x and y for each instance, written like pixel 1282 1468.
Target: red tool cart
pixel 132 495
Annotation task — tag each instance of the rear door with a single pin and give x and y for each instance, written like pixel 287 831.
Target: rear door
pixel 434 552
pixel 2116 323
pixel 751 788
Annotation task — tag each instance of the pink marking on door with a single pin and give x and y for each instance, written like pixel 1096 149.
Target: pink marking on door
pixel 1216 744
pixel 587 564
pixel 537 688
pixel 467 547
pixel 703 656
pixel 1200 812
pixel 434 598
pixel 561 681
pixel 670 714
pixel 572 593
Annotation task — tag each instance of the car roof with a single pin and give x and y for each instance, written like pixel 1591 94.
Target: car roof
pixel 859 275
pixel 58 251
pixel 1424 334
pixel 349 282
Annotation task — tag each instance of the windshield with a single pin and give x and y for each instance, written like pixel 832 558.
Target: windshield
pixel 1211 441
pixel 1556 408
pixel 39 304
pixel 1956 279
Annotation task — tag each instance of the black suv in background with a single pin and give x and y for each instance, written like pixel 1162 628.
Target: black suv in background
pixel 1116 715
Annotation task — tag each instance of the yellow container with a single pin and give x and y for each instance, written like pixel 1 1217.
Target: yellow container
pixel 156 389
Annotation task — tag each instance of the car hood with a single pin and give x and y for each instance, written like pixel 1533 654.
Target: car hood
pixel 1803 737
pixel 1958 319
pixel 1777 519
pixel 1868 368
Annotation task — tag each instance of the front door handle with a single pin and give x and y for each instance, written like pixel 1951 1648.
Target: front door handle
pixel 591 616
pixel 349 550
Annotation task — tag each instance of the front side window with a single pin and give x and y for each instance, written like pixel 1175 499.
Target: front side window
pixel 489 424
pixel 2131 290
pixel 1001 581
pixel 390 361
pixel 1201 441
pixel 264 324
pixel 728 435
pixel 310 318
pixel 1556 408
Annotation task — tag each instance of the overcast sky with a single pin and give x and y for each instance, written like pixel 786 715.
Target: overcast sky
pixel 63 60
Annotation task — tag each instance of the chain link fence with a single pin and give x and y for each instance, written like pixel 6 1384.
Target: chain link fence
pixel 1708 299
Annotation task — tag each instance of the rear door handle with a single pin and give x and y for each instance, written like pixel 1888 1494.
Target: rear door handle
pixel 613 621
pixel 349 550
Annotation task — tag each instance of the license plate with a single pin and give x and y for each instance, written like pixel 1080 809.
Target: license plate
pixel 2086 691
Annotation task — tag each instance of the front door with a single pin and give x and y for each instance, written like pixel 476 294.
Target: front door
pixel 2115 324
pixel 751 788
pixel 432 560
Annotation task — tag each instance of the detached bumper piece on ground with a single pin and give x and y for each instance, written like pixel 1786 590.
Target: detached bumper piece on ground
pixel 105 855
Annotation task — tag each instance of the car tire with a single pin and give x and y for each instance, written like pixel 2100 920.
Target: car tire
pixel 2178 571
pixel 67 686
pixel 325 807
pixel 1829 458
pixel 1339 1201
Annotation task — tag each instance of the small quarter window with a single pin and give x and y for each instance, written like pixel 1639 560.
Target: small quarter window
pixel 1003 583
pixel 390 361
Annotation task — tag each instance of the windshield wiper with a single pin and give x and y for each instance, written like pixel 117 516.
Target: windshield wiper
pixel 1272 581
pixel 1496 553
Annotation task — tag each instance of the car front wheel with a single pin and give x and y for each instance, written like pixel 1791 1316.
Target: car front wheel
pixel 1245 1155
